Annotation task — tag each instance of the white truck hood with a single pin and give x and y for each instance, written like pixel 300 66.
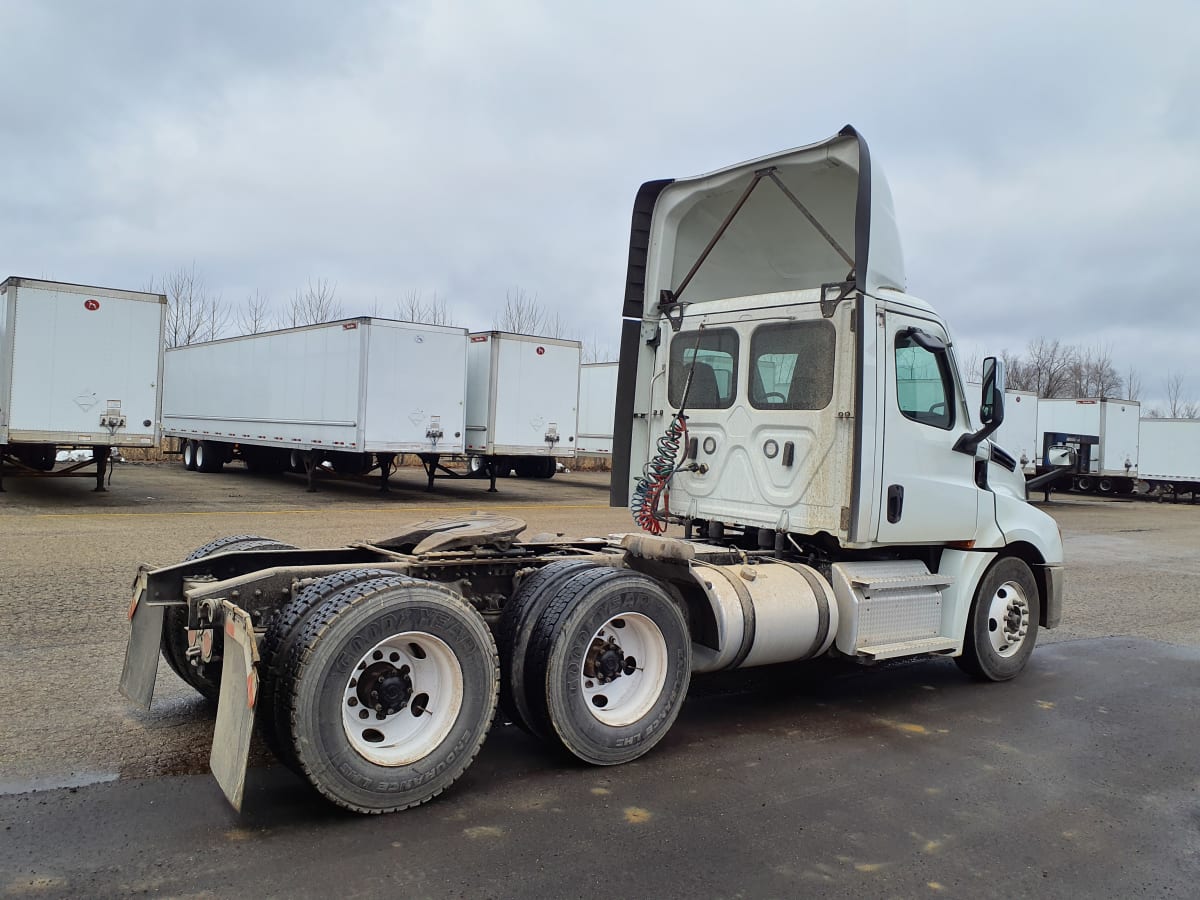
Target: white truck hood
pixel 844 232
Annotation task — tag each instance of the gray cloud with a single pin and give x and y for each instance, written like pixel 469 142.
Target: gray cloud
pixel 1042 157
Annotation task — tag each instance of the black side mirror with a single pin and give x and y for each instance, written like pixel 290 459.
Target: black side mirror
pixel 991 409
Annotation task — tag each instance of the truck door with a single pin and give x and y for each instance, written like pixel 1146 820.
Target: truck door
pixel 928 492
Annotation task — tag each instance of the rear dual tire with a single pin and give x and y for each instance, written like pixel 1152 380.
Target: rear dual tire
pixel 275 648
pixel 607 667
pixel 517 623
pixel 416 647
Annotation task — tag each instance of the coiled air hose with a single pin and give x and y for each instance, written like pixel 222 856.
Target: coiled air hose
pixel 655 483
pixel 656 478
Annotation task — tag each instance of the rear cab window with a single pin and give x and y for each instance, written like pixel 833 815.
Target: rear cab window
pixel 710 358
pixel 791 365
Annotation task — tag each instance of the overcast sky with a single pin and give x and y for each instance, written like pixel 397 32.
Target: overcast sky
pixel 1044 157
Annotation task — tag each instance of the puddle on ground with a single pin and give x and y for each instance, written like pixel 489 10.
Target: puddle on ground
pixel 54 782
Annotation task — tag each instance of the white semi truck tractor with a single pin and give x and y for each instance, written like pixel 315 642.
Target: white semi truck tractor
pixel 794 438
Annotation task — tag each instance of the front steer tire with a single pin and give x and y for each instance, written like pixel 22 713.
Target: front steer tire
pixel 613 655
pixel 174 643
pixel 1003 623
pixel 446 682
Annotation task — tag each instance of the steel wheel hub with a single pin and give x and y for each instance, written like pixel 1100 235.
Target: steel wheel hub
pixel 624 670
pixel 402 699
pixel 1008 619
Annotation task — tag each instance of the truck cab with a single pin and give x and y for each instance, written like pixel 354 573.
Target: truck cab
pixel 812 403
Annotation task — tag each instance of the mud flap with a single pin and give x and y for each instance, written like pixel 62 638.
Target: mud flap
pixel 235 709
pixel 145 638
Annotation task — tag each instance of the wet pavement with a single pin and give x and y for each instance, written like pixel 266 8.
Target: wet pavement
pixel 904 780
pixel 1078 779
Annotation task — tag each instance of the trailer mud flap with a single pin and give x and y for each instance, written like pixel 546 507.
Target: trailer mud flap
pixel 145 638
pixel 235 709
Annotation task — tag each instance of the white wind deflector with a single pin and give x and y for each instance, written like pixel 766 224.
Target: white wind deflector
pixel 792 221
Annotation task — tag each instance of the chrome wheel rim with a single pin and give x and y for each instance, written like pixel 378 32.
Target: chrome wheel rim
pixel 1008 619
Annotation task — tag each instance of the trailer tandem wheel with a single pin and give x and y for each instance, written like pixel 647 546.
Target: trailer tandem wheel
pixel 391 687
pixel 208 457
pixel 174 642
pixel 281 635
pixel 1003 623
pixel 189 455
pixel 614 655
pixel 517 621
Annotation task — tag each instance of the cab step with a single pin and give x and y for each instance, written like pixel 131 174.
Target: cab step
pixel 908 648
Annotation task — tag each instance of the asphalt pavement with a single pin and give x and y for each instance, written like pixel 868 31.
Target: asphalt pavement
pixel 827 779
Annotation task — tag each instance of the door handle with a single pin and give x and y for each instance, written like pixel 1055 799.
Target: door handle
pixel 895 502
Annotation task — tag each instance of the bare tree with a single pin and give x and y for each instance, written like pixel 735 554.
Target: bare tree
pixel 522 313
pixel 193 313
pixel 1047 368
pixel 1133 385
pixel 554 326
pixel 1179 406
pixel 414 308
pixel 317 303
pixel 972 365
pixel 593 351
pixel 254 317
pixel 1093 373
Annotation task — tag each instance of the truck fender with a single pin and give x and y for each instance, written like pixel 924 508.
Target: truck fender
pixel 966 567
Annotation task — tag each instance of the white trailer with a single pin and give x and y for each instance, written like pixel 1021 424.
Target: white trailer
pixel 1103 434
pixel 1018 435
pixel 522 403
pixel 352 393
pixel 80 366
pixel 597 408
pixel 792 414
pixel 1169 455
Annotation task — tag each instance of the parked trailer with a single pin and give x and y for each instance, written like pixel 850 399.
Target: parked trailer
pixel 80 367
pixel 352 394
pixel 1102 433
pixel 522 403
pixel 794 416
pixel 597 406
pixel 1169 455
pixel 1018 434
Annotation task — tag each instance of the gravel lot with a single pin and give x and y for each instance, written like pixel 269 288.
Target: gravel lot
pixel 68 557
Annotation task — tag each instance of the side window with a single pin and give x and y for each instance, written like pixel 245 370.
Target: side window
pixel 791 365
pixel 924 387
pixel 711 358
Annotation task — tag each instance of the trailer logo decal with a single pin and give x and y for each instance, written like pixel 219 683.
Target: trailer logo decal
pixel 541 351
pixel 91 304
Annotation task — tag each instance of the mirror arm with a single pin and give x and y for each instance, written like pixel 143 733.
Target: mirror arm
pixel 969 443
